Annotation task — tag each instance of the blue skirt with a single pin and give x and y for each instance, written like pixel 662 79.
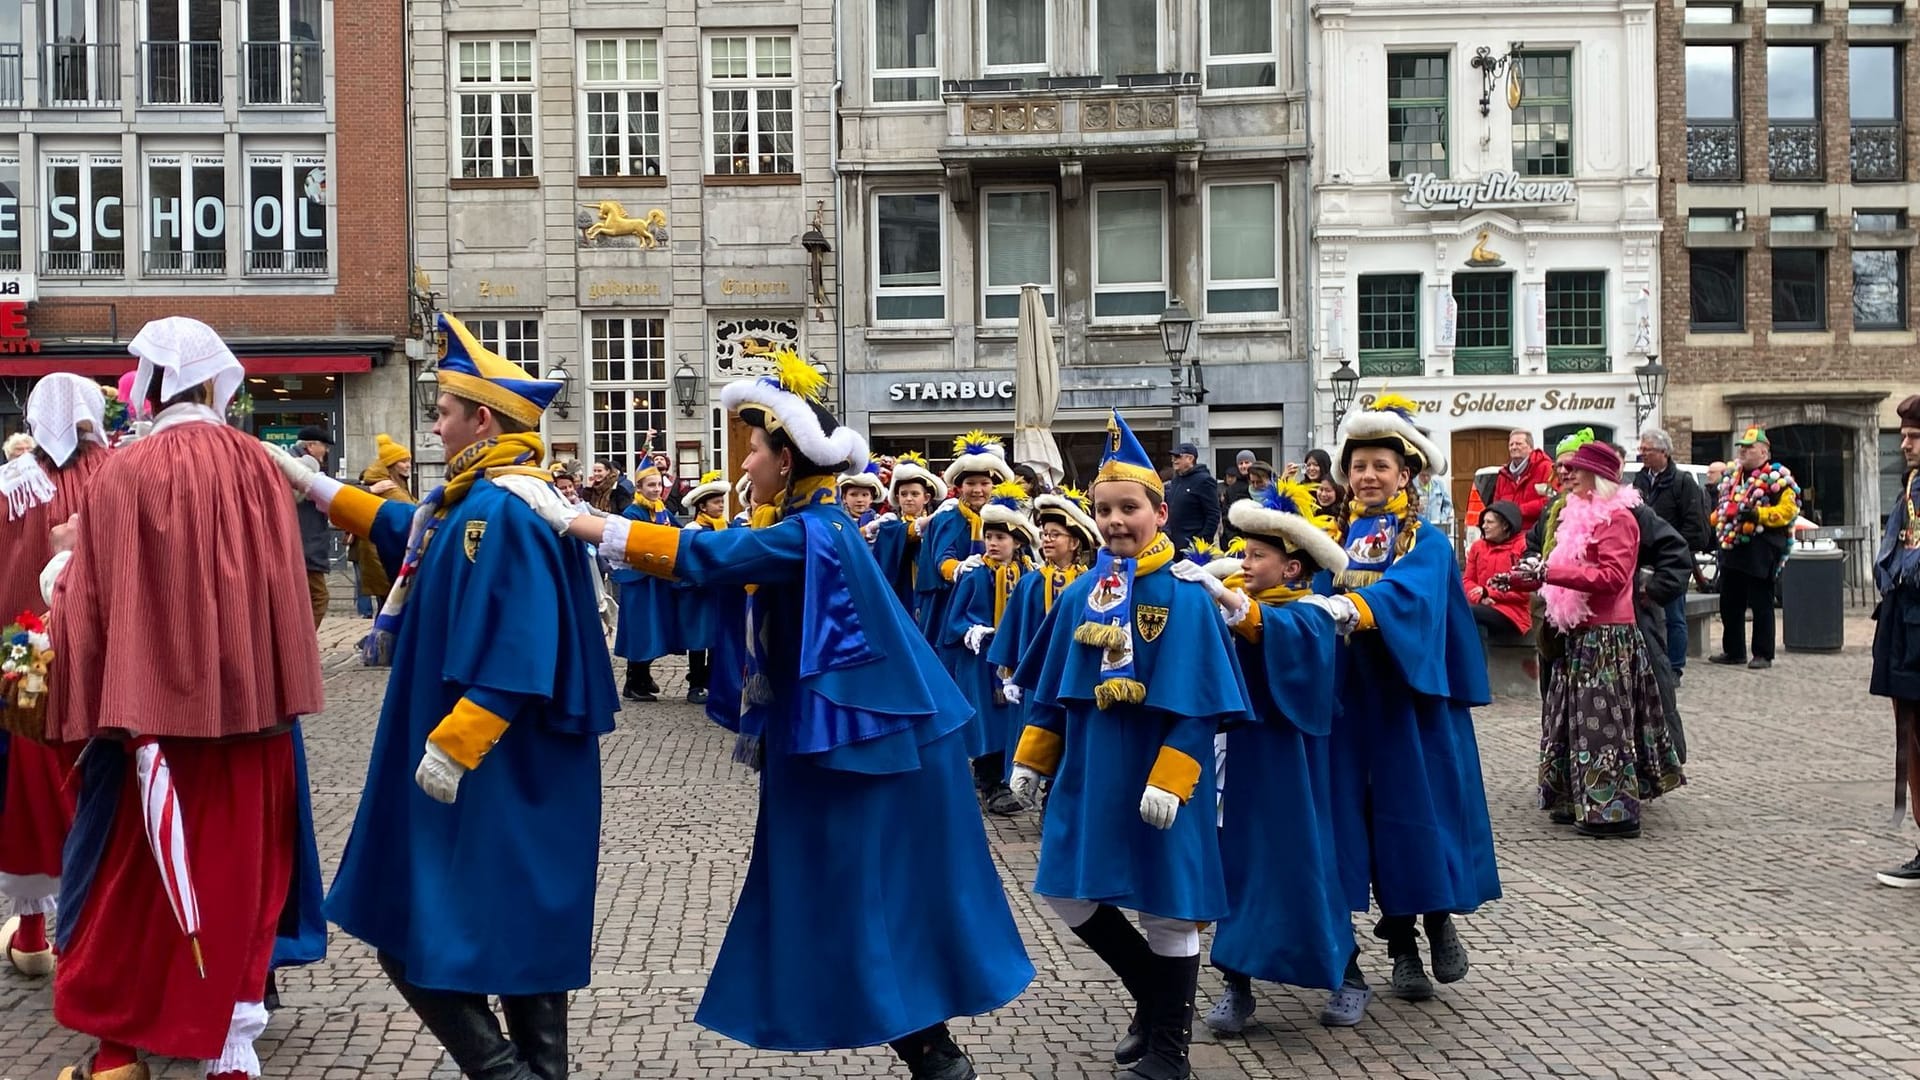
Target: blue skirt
pixel 649 620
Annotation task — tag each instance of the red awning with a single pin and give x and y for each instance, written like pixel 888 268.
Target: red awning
pixel 117 365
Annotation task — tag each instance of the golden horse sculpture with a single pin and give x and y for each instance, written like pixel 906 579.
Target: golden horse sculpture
pixel 649 231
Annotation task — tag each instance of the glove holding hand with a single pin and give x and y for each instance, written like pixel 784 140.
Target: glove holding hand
pixel 976 637
pixel 544 498
pixel 1188 571
pixel 1158 808
pixel 972 562
pixel 439 775
pixel 1346 615
pixel 1025 785
pixel 872 528
pixel 1010 692
pixel 299 471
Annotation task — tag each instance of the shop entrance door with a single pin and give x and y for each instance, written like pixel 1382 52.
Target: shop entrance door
pixel 1474 449
pixel 283 404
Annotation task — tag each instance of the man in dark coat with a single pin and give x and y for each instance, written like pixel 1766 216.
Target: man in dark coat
pixel 315 445
pixel 1896 635
pixel 1670 493
pixel 1193 500
pixel 1665 570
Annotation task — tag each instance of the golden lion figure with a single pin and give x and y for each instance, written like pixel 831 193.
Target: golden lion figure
pixel 649 231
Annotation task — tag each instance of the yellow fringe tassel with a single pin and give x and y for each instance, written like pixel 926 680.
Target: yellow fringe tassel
pixel 1123 691
pixel 1358 579
pixel 1102 635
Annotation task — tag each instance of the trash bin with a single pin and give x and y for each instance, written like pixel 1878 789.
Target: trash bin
pixel 1813 600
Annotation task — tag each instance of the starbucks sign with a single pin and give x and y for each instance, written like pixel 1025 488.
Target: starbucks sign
pixel 1430 191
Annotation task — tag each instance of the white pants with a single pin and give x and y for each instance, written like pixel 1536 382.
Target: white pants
pixel 1166 937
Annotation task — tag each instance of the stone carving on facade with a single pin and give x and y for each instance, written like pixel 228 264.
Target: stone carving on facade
pixel 743 344
pixel 606 224
pixel 1482 255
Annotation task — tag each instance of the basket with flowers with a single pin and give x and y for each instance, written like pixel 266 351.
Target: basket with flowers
pixel 26 653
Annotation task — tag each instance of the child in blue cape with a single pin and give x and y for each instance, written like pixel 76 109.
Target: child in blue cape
pixel 981 593
pixel 895 535
pixel 703 611
pixel 1133 675
pixel 859 491
pixel 953 534
pixel 649 608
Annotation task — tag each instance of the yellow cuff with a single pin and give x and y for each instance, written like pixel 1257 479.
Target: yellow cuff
pixel 1249 626
pixel 947 568
pixel 468 732
pixel 1175 773
pixel 1366 613
pixel 353 510
pixel 652 549
pixel 1039 750
pixel 1780 514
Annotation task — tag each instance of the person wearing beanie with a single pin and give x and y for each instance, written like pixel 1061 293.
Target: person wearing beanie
pixel 388 477
pixel 982 588
pixel 1240 486
pixel 1896 648
pixel 1504 616
pixel 1753 524
pixel 1604 750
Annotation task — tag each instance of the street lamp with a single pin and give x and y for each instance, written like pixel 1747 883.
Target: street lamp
pixel 686 387
pixel 1346 383
pixel 427 385
pixel 1652 377
pixel 562 398
pixel 1176 334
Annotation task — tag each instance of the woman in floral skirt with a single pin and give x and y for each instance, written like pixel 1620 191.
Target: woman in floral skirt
pixel 1604 747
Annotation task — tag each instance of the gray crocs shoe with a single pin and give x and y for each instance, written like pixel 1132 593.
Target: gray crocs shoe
pixel 1230 1014
pixel 1449 956
pixel 1347 1006
pixel 1410 982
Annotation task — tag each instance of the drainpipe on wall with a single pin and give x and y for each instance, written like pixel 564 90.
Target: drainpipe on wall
pixel 1310 266
pixel 413 251
pixel 839 214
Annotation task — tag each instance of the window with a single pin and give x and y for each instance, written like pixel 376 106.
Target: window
pixel 180 58
pixel 909 258
pixel 906 50
pixel 494 84
pixel 1416 115
pixel 750 92
pixel 1241 54
pixel 1717 283
pixel 282 53
pixel 515 339
pixel 1873 14
pixel 1792 14
pixel 1126 37
pixel 1793 82
pixel 1016 247
pixel 620 106
pixel 1129 253
pixel 1483 335
pixel 628 372
pixel 1712 85
pixel 1543 124
pixel 1799 289
pixel 1243 250
pixel 1873 82
pixel 1879 220
pixel 84 216
pixel 1879 290
pixel 81 65
pixel 1721 14
pixel 286 214
pixel 628 350
pixel 9 212
pixel 1576 321
pixel 1389 324
pixel 1796 221
pixel 186 214
pixel 1015 35
pixel 1716 221
pixel 627 423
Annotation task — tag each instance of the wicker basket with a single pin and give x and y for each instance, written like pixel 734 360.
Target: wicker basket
pixel 23 701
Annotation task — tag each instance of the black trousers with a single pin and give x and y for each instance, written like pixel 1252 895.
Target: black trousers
pixel 699 665
pixel 1740 593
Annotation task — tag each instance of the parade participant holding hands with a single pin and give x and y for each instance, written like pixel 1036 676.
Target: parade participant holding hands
pixel 1132 676
pixel 872 911
pixel 474 856
pixel 896 535
pixel 1068 539
pixel 953 536
pixel 980 599
pixel 706 614
pixel 649 624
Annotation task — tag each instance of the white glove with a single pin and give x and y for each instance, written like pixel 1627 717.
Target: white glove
pixel 439 775
pixel 1010 692
pixel 1187 571
pixel 1025 785
pixel 972 562
pixel 1346 616
pixel 976 637
pixel 872 528
pixel 1158 808
pixel 544 498
pixel 299 471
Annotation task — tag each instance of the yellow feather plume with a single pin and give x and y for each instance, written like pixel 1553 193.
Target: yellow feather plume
pixel 798 377
pixel 911 457
pixel 1236 547
pixel 712 476
pixel 1205 549
pixel 1008 489
pixel 973 442
pixel 1395 401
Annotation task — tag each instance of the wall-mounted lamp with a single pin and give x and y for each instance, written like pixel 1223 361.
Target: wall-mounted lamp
pixel 427 387
pixel 815 241
pixel 1346 383
pixel 686 387
pixel 562 398
pixel 1491 68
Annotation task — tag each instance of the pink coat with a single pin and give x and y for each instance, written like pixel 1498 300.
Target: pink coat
pixel 1589 580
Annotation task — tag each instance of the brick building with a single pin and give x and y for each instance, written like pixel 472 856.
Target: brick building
pixel 1789 191
pixel 214 158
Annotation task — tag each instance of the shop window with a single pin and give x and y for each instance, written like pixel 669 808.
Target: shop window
pixel 1577 321
pixel 906 50
pixel 1243 249
pixel 1879 289
pixel 1127 37
pixel 1717 286
pixel 493 86
pixel 909 258
pixel 514 339
pixel 1417 124
pixel 1799 289
pixel 1390 325
pixel 286 214
pixel 1483 335
pixel 1015 36
pixel 84 217
pixel 627 424
pixel 1242 53
pixel 186 214
pixel 627 367
pixel 1129 253
pixel 1543 124
pixel 620 106
pixel 750 85
pixel 1016 247
pixel 9 212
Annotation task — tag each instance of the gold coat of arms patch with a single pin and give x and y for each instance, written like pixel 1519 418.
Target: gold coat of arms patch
pixel 1151 620
pixel 471 542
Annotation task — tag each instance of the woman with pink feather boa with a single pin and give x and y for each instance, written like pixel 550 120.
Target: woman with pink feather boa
pixel 1604 745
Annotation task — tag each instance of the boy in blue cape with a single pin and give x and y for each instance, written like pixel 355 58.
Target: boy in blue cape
pixel 980 598
pixel 952 536
pixel 1289 922
pixel 859 492
pixel 1410 812
pixel 1133 675
pixel 650 626
pixel 895 535
pixel 474 856
pixel 704 612
pixel 872 911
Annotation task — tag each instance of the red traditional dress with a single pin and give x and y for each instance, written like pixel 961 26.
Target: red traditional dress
pixel 182 617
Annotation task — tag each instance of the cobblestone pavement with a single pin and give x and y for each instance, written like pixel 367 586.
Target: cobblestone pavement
pixel 1744 936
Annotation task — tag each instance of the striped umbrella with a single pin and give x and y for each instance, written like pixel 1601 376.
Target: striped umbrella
pixel 167 839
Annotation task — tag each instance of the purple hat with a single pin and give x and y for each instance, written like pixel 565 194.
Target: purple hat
pixel 1599 459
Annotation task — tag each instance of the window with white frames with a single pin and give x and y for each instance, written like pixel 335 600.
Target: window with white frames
pixel 906 43
pixel 180 55
pixel 750 87
pixel 1129 253
pixel 512 338
pixel 281 53
pixel 493 82
pixel 9 211
pixel 1017 240
pixel 286 213
pixel 620 106
pixel 1243 249
pixel 1242 53
pixel 627 370
pixel 186 214
pixel 1126 37
pixel 909 258
pixel 627 349
pixel 83 223
pixel 1015 36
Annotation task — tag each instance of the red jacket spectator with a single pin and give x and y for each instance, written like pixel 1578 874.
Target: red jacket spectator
pixel 1489 557
pixel 1530 489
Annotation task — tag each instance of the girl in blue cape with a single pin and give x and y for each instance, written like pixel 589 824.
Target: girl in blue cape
pixel 1289 922
pixel 952 535
pixel 1133 674
pixel 649 608
pixel 872 911
pixel 896 535
pixel 704 612
pixel 981 594
pixel 1410 813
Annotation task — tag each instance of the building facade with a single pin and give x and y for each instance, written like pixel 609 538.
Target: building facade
pixel 1790 190
pixel 1120 154
pixel 214 158
pixel 1486 216
pixel 619 193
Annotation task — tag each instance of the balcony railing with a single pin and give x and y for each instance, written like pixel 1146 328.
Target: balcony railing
pixel 180 73
pixel 10 94
pixel 186 262
pixel 81 76
pixel 1793 151
pixel 1392 363
pixel 286 73
pixel 1713 150
pixel 10 260
pixel 1578 361
pixel 1483 361
pixel 994 117
pixel 1876 152
pixel 83 263
pixel 271 262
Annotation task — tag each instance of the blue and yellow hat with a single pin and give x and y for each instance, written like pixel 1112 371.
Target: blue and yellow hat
pixel 470 370
pixel 1070 510
pixel 1124 459
pixel 1007 508
pixel 1286 516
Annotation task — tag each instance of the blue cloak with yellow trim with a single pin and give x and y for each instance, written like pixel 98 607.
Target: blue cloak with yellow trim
pixel 502 612
pixel 872 908
pixel 942 537
pixel 650 615
pixel 996 725
pixel 1019 629
pixel 898 555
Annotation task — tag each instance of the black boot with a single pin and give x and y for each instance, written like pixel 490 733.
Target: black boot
pixel 1169 1020
pixel 1113 938
pixel 465 1025
pixel 930 1054
pixel 537 1023
pixel 270 999
pixel 646 679
pixel 637 680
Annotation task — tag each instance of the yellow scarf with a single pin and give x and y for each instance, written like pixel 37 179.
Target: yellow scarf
pixel 1397 506
pixel 516 454
pixel 651 506
pixel 972 518
pixel 1005 576
pixel 1279 594
pixel 714 523
pixel 1057 580
pixel 804 493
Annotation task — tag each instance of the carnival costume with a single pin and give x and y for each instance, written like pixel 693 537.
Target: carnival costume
pixel 896 539
pixel 1753 529
pixel 1026 610
pixel 952 535
pixel 980 597
pixel 706 615
pixel 650 626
